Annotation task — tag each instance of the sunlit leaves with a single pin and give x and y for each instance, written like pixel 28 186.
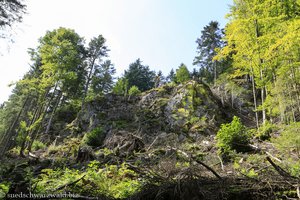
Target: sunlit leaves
pixel 263 40
pixel 62 55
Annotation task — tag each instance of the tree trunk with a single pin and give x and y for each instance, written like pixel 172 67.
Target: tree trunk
pixel 215 73
pixel 232 99
pixel 260 62
pixel 86 88
pixel 33 138
pixel 296 87
pixel 53 112
pixel 254 97
pixel 6 140
pixel 42 115
pixel 262 90
pixel 292 104
pixel 36 116
pixel 36 112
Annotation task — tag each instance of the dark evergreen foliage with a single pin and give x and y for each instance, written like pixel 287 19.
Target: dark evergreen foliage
pixel 140 76
pixel 210 40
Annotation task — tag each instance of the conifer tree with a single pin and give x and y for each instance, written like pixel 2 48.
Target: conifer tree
pixel 171 76
pixel 95 52
pixel 210 40
pixel 140 76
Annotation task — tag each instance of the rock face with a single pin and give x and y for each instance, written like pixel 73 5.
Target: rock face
pixel 188 110
pixel 105 111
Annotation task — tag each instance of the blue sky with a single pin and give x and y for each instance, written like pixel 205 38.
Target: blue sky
pixel 162 33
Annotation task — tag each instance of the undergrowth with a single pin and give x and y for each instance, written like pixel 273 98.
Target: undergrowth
pixel 111 180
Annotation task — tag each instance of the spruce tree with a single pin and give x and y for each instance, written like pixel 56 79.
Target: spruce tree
pixel 210 40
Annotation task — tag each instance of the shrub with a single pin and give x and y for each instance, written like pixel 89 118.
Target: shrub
pixel 113 181
pixel 289 140
pixel 68 148
pixel 68 112
pixel 265 131
pixel 121 87
pixel 52 149
pixel 4 188
pixel 182 74
pixel 94 138
pixel 232 137
pixel 133 91
pixel 120 124
pixel 36 145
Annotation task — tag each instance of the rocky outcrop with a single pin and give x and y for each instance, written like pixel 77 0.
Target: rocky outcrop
pixel 106 111
pixel 187 110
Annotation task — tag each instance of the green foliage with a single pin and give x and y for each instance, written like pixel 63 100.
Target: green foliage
pixel 121 87
pixel 4 188
pixel 52 149
pixel 183 112
pixel 210 40
pixel 22 132
pixel 140 76
pixel 114 181
pixel 94 138
pixel 264 132
pixel 15 151
pixel 120 124
pixel 11 11
pixel 194 120
pixel 232 137
pixel 171 76
pixel 294 168
pixel 262 40
pixel 182 74
pixel 102 81
pixel 134 91
pixel 36 145
pixel 68 148
pixel 249 173
pixel 181 165
pixel 68 112
pixel 61 51
pixel 246 172
pixel 99 75
pixel 51 179
pixel 104 151
pixel 289 139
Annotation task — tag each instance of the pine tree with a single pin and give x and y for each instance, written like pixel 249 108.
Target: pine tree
pixel 159 79
pixel 171 76
pixel 97 71
pixel 140 76
pixel 103 80
pixel 210 40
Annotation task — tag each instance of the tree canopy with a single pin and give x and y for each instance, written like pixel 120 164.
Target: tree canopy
pixel 140 76
pixel 208 43
pixel 182 74
pixel 11 11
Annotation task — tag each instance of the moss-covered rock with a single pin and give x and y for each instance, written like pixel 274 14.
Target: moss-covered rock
pixel 189 107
